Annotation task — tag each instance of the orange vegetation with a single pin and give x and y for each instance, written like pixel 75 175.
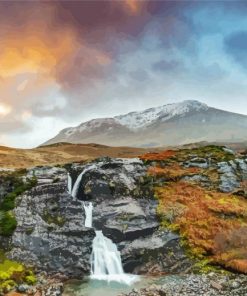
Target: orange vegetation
pixel 208 221
pixel 172 171
pixel 158 156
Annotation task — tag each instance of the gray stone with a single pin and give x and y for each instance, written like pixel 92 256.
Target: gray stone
pixel 23 288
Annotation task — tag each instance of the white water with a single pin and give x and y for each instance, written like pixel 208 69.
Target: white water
pixel 78 180
pixel 89 214
pixel 69 184
pixel 106 261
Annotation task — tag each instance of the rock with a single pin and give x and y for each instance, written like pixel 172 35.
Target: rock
pixel 126 218
pixel 216 285
pixel 109 178
pixel 229 179
pixel 58 242
pixel 23 288
pixel 51 234
pixel 154 254
pixel 197 162
pixel 234 284
pixel 200 179
pixel 228 150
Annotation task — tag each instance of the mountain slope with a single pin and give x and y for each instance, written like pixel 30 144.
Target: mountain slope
pixel 173 124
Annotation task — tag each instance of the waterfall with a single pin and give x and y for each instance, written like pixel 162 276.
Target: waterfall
pixel 106 261
pixel 89 213
pixel 78 180
pixel 69 184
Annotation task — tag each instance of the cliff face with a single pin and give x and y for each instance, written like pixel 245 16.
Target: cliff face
pixel 51 235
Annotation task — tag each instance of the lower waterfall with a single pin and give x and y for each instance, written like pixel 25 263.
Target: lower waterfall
pixel 89 213
pixel 106 261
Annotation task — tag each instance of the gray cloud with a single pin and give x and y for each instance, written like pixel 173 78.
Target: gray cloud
pixel 236 46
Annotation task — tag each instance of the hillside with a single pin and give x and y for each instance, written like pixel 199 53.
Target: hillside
pixel 173 124
pixel 61 153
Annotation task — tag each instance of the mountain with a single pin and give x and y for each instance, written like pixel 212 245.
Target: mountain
pixel 172 124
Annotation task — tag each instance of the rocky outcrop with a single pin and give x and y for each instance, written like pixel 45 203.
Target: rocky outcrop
pixel 232 173
pixel 108 179
pixel 51 234
pixel 155 254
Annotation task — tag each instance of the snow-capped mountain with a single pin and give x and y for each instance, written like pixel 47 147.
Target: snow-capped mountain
pixel 135 120
pixel 172 124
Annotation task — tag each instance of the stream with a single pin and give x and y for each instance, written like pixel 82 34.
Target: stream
pixel 90 287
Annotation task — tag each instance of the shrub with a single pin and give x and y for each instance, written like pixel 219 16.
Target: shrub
pixel 211 223
pixel 12 274
pixel 8 224
pixel 155 156
pixel 30 279
pixel 19 187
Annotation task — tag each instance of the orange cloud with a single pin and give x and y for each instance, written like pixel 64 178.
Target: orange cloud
pixel 32 51
pixel 134 6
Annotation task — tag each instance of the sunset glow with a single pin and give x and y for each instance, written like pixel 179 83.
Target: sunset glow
pixel 4 110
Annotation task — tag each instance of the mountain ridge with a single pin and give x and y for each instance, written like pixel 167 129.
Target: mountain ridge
pixel 157 126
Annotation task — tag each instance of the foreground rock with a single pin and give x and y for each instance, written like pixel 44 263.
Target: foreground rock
pixel 194 285
pixel 51 234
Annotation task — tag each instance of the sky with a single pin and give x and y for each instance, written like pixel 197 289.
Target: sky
pixel 65 62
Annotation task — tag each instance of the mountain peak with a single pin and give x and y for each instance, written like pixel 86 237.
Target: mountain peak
pixel 135 120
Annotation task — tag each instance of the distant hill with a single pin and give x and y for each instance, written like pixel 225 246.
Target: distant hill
pixel 61 153
pixel 173 124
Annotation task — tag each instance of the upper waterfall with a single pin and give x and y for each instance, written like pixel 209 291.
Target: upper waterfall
pixel 78 180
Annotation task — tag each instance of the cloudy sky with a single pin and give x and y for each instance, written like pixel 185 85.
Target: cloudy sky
pixel 64 62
